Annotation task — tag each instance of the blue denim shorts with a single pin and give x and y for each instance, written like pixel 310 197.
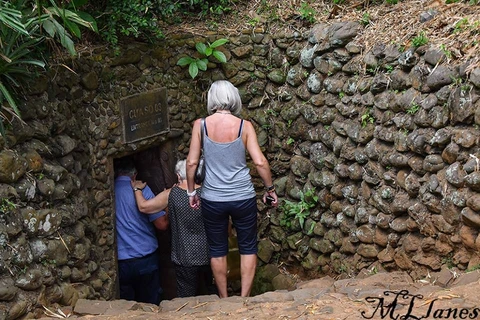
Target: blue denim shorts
pixel 244 218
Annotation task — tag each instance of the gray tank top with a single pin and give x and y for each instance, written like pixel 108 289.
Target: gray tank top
pixel 227 177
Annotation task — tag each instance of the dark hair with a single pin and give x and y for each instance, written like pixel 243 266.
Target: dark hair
pixel 124 166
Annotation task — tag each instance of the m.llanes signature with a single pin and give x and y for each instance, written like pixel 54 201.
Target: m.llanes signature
pixel 391 310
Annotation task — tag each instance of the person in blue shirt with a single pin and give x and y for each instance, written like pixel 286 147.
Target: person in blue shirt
pixel 138 259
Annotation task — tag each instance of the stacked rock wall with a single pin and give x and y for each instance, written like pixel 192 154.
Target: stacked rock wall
pixel 388 141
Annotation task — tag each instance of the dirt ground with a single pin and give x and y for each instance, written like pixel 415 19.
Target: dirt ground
pixel 447 294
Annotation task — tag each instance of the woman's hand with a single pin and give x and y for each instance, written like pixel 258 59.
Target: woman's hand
pixel 273 194
pixel 194 201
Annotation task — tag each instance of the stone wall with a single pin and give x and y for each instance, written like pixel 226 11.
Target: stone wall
pixel 388 139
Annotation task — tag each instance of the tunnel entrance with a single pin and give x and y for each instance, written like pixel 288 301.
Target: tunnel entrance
pixel 156 166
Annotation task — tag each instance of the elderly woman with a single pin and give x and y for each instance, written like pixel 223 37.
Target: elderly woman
pixel 189 242
pixel 227 191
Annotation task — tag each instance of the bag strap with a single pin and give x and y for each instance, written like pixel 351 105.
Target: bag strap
pixel 202 124
pixel 240 129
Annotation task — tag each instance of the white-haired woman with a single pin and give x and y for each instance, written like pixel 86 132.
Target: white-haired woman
pixel 227 191
pixel 190 253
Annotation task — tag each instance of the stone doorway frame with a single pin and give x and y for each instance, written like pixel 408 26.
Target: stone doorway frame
pixel 165 156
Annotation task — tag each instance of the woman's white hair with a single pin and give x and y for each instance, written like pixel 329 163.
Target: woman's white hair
pixel 223 95
pixel 181 169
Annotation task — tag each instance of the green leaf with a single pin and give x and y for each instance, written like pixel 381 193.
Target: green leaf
pixel 49 28
pixel 218 43
pixel 64 38
pixel 220 56
pixel 32 62
pixel 182 62
pixel 9 98
pixel 12 18
pixel 301 220
pixel 208 51
pixel 201 47
pixel 193 70
pixel 89 20
pixel 202 64
pixel 74 29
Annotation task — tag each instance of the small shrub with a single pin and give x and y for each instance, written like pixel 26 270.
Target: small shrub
pixel 307 13
pixel 447 53
pixel 367 118
pixel 365 19
pixel 196 64
pixel 7 205
pixel 298 210
pixel 413 108
pixel 420 40
pixel 460 25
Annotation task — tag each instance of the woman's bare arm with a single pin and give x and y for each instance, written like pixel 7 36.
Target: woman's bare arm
pixel 154 205
pixel 258 158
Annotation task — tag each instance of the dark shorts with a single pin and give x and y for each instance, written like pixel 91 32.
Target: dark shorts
pixel 244 218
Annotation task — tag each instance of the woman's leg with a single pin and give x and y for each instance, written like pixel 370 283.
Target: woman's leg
pixel 244 219
pixel 248 263
pixel 215 218
pixel 219 269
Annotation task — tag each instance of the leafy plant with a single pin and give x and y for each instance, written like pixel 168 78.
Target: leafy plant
pixel 460 25
pixel 266 126
pixel 24 26
pixel 365 20
pixel 373 70
pixel 7 205
pixel 307 13
pixel 475 267
pixel 456 81
pixel 447 52
pixel 253 22
pixel 448 261
pixel 298 210
pixel 271 112
pixel 389 68
pixel 290 141
pixel 420 40
pixel 137 18
pixel 196 64
pixel 70 19
pixel 367 118
pixel 413 108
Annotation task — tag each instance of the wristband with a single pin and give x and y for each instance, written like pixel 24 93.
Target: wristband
pixel 271 189
pixel 191 194
pixel 137 189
